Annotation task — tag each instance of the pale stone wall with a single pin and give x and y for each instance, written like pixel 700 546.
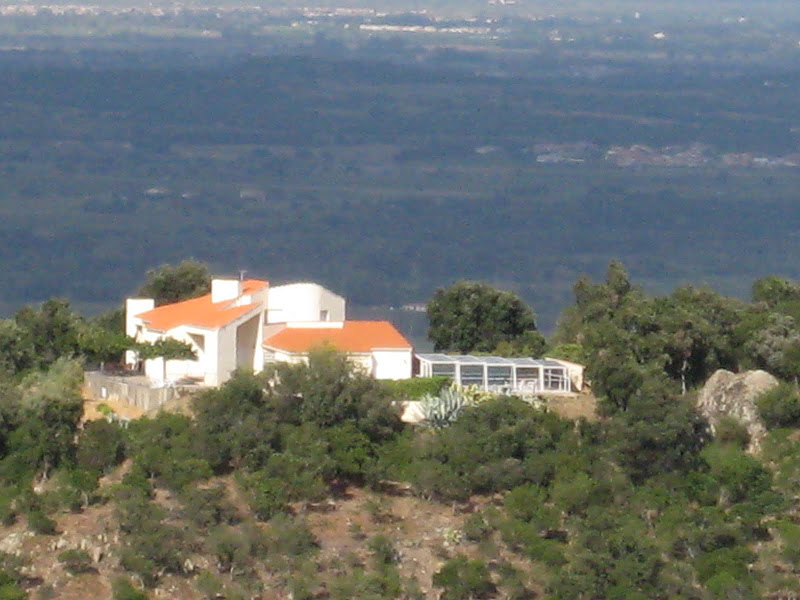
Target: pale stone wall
pixel 128 390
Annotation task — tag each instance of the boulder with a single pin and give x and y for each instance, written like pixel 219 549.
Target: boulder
pixel 728 394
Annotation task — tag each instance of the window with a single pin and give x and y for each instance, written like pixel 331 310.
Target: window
pixel 443 370
pixel 555 379
pixel 323 315
pixel 199 341
pixel 499 376
pixel 472 375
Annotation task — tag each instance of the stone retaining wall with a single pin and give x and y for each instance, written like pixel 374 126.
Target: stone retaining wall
pixel 135 391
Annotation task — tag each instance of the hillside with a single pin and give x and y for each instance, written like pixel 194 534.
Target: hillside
pixel 423 534
pixel 301 481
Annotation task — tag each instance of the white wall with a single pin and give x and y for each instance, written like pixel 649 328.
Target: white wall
pixel 391 364
pixel 380 364
pixel 225 289
pixel 133 308
pixel 178 369
pixel 226 353
pixel 304 302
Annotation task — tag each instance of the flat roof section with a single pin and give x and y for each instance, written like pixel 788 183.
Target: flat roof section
pixel 495 361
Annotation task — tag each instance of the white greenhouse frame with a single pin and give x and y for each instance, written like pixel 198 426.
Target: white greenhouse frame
pixel 521 376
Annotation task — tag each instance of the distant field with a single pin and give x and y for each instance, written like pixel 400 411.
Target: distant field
pixel 385 181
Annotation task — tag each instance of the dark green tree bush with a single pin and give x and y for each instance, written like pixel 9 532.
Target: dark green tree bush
pixel 730 431
pixel 123 589
pixel 207 506
pixel 496 445
pixel 168 284
pixel 40 523
pixel 416 387
pixel 780 406
pixel 470 316
pixel 101 446
pixel 10 589
pixel 41 425
pixel 166 449
pixel 52 331
pixel 464 579
pixel 659 434
pixel 76 561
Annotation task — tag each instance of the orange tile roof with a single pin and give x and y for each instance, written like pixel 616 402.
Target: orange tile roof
pixel 250 286
pixel 200 311
pixel 353 336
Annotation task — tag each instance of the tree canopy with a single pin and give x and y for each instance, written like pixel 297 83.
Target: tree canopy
pixel 470 316
pixel 168 283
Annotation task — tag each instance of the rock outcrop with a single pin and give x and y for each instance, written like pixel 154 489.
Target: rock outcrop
pixel 728 394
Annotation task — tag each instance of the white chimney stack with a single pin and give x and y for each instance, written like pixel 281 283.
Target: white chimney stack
pixel 223 290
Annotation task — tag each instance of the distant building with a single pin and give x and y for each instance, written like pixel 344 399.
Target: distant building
pixel 247 324
pixel 376 347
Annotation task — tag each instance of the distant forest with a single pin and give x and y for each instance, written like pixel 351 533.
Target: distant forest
pixel 384 179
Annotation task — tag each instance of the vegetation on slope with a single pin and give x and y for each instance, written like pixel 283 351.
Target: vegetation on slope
pixel 304 481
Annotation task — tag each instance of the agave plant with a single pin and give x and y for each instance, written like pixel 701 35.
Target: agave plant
pixel 444 409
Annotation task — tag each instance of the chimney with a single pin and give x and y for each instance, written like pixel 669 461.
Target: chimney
pixel 223 290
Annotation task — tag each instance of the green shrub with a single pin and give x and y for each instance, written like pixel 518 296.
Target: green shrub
pixel 724 585
pixel 416 387
pixel 167 449
pixel 780 406
pixel 379 584
pixel 790 538
pixel 569 351
pixel 209 585
pixel 702 488
pixel 512 581
pixel 383 550
pixel 290 537
pixel 351 452
pixel 733 561
pixel 526 538
pixel 10 589
pixel 303 581
pixel 151 547
pixel 122 589
pixel 207 507
pixel 75 561
pixel 266 495
pixel 740 475
pixel 573 495
pixel 8 513
pixel 464 579
pixel 546 551
pixel 731 431
pixel 177 473
pixel 476 528
pixel 40 523
pixel 231 549
pixel 257 539
pixel 527 503
pixel 77 488
pixel 101 446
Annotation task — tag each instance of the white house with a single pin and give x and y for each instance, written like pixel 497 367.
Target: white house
pixel 225 329
pixel 376 347
pixel 243 324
